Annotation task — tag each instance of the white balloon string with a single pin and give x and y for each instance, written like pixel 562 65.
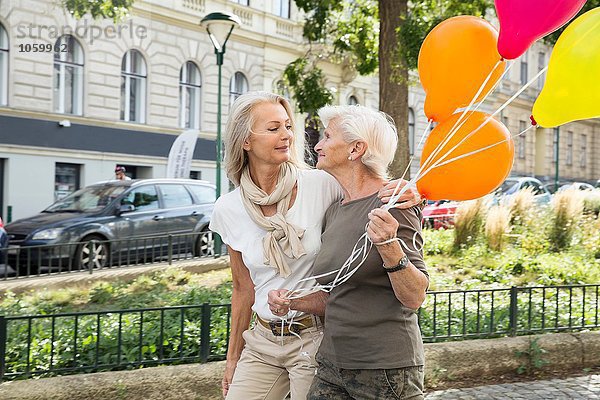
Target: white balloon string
pixel 443 158
pixel 344 273
pixel 455 128
pixel 483 148
pixel 459 123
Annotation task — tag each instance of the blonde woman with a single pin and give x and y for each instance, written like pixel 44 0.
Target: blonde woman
pixel 272 225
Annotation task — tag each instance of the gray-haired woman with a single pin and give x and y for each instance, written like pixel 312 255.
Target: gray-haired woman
pixel 371 346
pixel 271 224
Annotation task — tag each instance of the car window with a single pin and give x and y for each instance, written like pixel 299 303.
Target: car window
pixel 175 196
pixel 204 194
pixel 143 198
pixel 89 199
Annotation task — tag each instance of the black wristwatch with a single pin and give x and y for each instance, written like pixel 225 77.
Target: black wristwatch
pixel 402 264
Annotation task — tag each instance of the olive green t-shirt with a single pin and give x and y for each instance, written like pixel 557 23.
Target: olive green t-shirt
pixel 366 327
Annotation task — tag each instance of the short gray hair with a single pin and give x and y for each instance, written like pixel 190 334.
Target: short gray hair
pixel 237 130
pixel 375 128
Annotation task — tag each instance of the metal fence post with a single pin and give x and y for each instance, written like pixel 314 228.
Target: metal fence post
pixel 205 332
pixel 3 339
pixel 514 310
pixel 91 245
pixel 170 249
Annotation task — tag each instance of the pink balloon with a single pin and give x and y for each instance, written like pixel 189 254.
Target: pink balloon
pixel 522 22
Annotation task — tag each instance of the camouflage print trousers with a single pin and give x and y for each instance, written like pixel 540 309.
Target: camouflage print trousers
pixel 362 384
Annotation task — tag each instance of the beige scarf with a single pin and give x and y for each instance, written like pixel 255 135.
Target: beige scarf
pixel 282 237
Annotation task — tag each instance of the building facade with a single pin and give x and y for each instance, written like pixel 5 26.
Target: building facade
pixel 78 97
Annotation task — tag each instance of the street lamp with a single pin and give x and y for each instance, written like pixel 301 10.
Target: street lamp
pixel 219 26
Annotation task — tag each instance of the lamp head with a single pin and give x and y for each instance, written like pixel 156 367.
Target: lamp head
pixel 219 26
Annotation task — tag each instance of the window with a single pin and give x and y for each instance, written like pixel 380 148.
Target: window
pixel 522 140
pixel 196 175
pixel 203 194
pixel 189 96
pixel 283 8
pixel 133 87
pixel 242 2
pixel 411 130
pixel 175 196
pixel 583 152
pixel 68 76
pixel 237 86
pixel 556 132
pixel 3 66
pixel 541 66
pixel 143 198
pixel 66 179
pixel 569 148
pixel 524 77
pixel 352 101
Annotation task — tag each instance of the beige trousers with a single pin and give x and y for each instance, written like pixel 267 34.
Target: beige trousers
pixel 272 366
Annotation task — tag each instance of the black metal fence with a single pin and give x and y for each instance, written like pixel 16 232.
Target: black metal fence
pixel 45 345
pixel 88 256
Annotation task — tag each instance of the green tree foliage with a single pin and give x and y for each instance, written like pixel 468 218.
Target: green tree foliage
pixel 116 10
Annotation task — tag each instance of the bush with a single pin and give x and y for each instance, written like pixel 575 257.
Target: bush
pixel 497 225
pixel 567 208
pixel 468 222
pixel 520 206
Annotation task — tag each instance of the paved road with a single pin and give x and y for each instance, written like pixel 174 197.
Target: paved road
pixel 583 387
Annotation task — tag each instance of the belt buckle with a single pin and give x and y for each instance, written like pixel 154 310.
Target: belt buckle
pixel 276 329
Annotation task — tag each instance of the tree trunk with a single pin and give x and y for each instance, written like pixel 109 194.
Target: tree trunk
pixel 312 137
pixel 393 79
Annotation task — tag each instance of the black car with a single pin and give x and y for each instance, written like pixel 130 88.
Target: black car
pixel 115 222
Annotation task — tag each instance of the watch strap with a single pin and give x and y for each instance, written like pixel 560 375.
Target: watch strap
pixel 402 264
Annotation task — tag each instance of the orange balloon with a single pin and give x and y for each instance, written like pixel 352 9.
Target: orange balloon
pixel 472 176
pixel 455 59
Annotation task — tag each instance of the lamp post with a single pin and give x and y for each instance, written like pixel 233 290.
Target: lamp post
pixel 219 26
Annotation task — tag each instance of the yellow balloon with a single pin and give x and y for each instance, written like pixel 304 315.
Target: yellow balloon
pixel 572 88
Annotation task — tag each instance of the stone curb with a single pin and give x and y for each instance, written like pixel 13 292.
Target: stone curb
pixel 444 361
pixel 65 280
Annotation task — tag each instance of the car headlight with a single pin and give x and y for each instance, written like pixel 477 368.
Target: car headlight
pixel 47 234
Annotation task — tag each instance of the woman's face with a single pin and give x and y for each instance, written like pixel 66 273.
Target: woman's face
pixel 332 150
pixel 271 136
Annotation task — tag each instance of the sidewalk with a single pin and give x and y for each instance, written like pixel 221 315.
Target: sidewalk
pixel 582 387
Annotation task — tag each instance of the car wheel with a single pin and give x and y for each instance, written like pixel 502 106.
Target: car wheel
pixel 205 244
pixel 92 248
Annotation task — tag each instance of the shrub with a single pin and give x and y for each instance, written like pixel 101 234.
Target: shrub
pixel 468 222
pixel 497 224
pixel 520 206
pixel 567 208
pixel 591 202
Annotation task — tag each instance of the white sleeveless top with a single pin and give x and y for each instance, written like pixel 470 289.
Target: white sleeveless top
pixel 317 190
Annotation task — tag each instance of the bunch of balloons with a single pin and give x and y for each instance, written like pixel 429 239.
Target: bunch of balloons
pixel 469 153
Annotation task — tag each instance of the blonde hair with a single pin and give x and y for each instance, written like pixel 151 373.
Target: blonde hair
pixel 237 130
pixel 375 128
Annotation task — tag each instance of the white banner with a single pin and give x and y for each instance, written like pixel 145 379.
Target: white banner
pixel 181 154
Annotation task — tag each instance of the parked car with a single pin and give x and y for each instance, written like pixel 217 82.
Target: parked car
pixel 576 185
pixel 514 184
pixel 439 214
pixel 115 220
